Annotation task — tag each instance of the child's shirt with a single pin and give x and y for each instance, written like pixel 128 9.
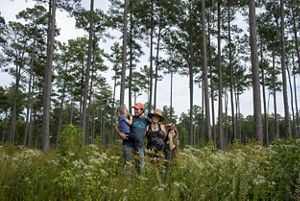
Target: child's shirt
pixel 122 124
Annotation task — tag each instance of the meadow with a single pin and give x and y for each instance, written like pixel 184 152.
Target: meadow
pixel 80 172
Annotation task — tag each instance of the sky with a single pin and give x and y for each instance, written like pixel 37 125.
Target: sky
pixel 9 9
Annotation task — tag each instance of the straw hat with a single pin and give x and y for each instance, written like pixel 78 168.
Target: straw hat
pixel 158 113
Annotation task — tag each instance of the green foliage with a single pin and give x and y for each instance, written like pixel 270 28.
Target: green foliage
pixel 70 139
pixel 244 172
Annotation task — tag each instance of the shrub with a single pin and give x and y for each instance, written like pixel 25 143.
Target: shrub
pixel 70 140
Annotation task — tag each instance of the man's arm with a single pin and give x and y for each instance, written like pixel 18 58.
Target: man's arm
pixel 121 135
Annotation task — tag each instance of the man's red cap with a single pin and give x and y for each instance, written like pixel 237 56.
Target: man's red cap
pixel 139 106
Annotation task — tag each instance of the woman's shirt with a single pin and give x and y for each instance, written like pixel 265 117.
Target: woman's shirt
pixel 155 139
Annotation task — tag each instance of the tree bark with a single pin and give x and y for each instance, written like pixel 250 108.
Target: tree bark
pixel 266 134
pixel 296 38
pixel 220 71
pixel 292 98
pixel 130 64
pixel 283 73
pixel 29 102
pixel 274 94
pixel 211 82
pixel 255 71
pixel 171 96
pixel 191 82
pixel 231 72
pixel 156 67
pixel 151 60
pixel 14 106
pixel 61 105
pixel 48 77
pixel 205 73
pixel 124 54
pixel 296 100
pixel 87 72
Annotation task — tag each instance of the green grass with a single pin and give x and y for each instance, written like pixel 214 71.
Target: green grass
pixel 244 172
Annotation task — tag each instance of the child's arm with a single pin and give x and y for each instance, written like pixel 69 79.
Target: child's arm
pixel 129 120
pixel 171 140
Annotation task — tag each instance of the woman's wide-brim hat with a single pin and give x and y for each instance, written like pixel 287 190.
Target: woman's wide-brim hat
pixel 157 113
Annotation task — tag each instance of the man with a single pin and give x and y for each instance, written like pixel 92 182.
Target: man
pixel 133 143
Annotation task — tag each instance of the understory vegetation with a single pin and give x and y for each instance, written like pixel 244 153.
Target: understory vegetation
pixel 92 172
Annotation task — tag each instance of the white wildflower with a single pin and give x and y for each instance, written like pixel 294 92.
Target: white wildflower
pixel 103 173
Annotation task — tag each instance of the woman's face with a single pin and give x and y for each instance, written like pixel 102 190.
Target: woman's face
pixel 155 119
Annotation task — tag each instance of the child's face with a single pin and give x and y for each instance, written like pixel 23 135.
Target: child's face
pixel 172 133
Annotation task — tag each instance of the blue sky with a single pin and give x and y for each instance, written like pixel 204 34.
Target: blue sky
pixel 10 8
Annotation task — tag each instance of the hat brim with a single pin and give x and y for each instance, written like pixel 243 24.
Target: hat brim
pixel 135 107
pixel 161 118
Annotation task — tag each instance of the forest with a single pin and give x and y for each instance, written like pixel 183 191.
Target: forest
pixel 59 91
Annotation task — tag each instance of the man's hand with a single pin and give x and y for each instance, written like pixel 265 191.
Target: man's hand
pixel 123 136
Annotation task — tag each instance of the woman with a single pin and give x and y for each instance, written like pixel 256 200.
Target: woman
pixel 158 140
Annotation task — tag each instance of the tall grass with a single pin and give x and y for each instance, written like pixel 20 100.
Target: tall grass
pixel 244 172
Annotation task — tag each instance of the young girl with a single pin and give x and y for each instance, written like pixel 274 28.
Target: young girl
pixel 172 142
pixel 124 119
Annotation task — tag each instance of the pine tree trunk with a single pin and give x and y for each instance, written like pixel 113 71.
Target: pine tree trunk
pixel 114 100
pixel 87 72
pixel 255 71
pixel 205 73
pixel 191 83
pixel 231 72
pixel 29 141
pixel 151 59
pixel 211 81
pixel 14 106
pixel 220 71
pixel 171 96
pixel 296 37
pixel 61 107
pixel 90 109
pixel 130 64
pixel 48 77
pixel 292 98
pixel 264 93
pixel 156 66
pixel 238 118
pixel 4 127
pixel 124 54
pixel 283 73
pixel 81 93
pixel 29 102
pixel 274 95
pixel 296 100
pixel 203 123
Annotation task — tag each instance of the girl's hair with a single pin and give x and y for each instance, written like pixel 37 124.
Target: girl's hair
pixel 120 111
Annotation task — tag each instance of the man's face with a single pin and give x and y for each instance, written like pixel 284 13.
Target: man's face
pixel 138 112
